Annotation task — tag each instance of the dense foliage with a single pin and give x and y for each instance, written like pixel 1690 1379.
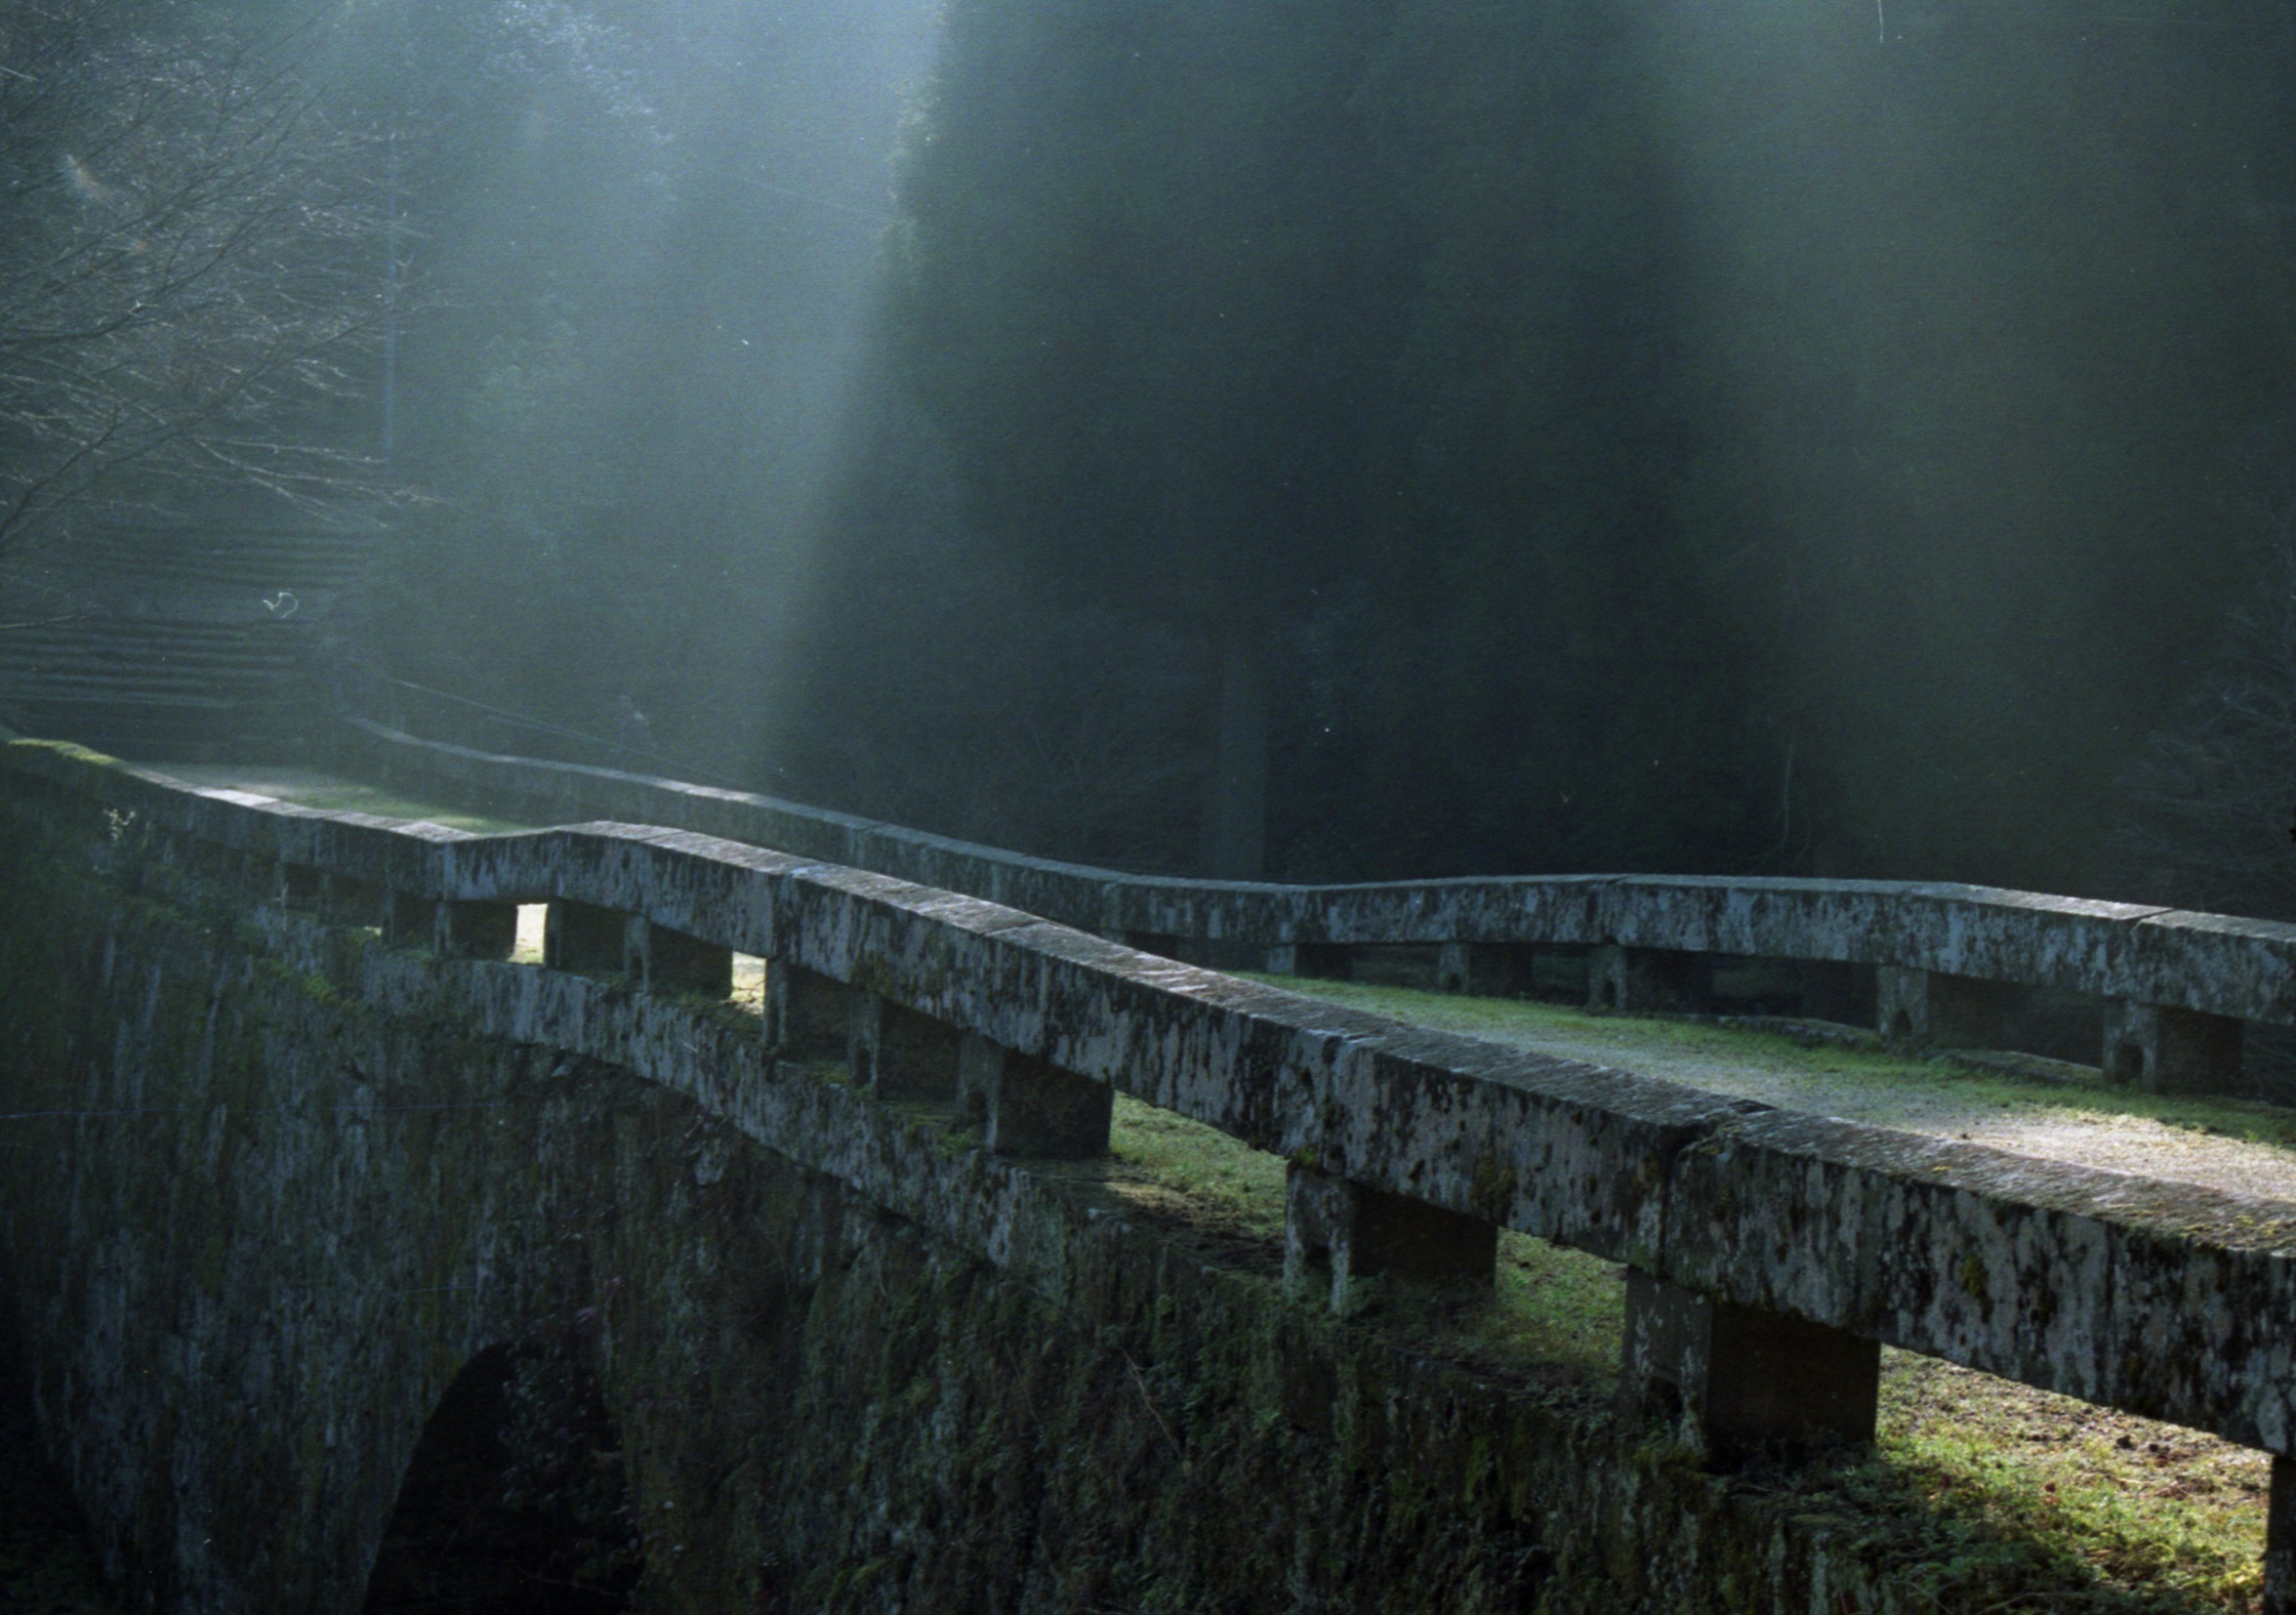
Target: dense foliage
pixel 1326 436
pixel 179 230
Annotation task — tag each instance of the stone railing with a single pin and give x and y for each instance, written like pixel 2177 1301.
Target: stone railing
pixel 1770 1254
pixel 1927 963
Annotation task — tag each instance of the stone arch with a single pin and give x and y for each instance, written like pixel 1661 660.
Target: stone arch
pixel 514 1501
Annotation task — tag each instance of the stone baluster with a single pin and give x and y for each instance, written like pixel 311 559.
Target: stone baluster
pixel 2168 1051
pixel 408 921
pixel 809 1016
pixel 1029 1107
pixel 1336 1232
pixel 1739 1378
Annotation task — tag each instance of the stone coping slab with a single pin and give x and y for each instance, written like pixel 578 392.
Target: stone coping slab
pixel 2219 965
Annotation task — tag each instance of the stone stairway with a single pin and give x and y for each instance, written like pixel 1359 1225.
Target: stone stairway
pixel 178 641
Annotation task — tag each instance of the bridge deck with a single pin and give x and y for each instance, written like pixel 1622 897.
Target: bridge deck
pixel 334 792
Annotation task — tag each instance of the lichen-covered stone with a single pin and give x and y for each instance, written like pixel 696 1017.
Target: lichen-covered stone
pixel 2164 1298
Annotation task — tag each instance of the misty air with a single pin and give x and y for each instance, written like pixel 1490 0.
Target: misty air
pixel 1120 806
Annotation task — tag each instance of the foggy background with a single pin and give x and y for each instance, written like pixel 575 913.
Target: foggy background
pixel 1327 438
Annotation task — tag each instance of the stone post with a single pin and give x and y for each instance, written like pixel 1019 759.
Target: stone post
pixel 2165 1051
pixel 978 1063
pixel 578 937
pixel 808 1016
pixel 1032 1106
pixel 408 921
pixel 473 931
pixel 1646 979
pixel 1336 1232
pixel 899 1054
pixel 1951 1012
pixel 674 961
pixel 1742 1377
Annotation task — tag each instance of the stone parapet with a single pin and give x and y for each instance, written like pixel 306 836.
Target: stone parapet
pixel 2160 1299
pixel 2217 964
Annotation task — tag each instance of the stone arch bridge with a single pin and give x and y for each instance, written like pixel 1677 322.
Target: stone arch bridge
pixel 753 1243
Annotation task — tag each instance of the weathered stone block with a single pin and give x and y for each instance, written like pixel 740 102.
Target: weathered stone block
pixel 897 1054
pixel 1336 1232
pixel 577 937
pixel 1661 979
pixel 807 1014
pixel 2165 1051
pixel 1742 1378
pixel 2153 1296
pixel 675 961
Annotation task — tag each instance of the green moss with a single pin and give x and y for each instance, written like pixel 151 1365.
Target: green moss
pixel 1221 1177
pixel 2013 1484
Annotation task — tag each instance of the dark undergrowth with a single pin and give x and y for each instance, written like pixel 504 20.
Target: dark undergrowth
pixel 47 1564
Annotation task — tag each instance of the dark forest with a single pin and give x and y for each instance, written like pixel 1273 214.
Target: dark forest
pixel 1325 439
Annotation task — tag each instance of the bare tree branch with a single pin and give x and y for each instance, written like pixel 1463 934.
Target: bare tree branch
pixel 185 274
